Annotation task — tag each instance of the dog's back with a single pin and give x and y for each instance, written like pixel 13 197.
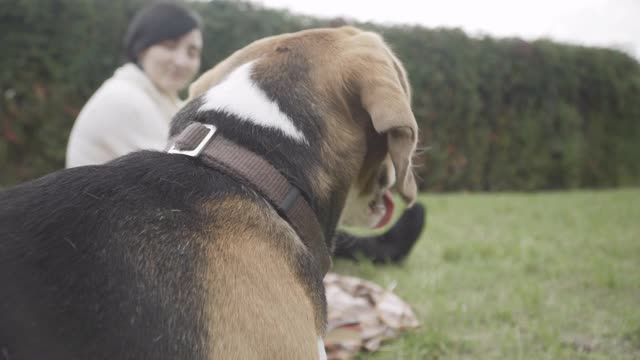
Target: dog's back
pixel 110 262
pixel 79 278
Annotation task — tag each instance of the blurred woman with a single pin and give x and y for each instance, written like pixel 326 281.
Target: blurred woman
pixel 132 109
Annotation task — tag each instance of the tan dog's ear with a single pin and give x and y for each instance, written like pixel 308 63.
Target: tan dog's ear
pixel 385 95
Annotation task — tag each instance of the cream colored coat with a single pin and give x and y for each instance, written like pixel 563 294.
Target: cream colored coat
pixel 127 113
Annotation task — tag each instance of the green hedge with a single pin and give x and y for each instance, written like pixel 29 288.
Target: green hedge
pixel 495 114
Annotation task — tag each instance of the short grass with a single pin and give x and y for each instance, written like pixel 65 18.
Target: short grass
pixel 521 276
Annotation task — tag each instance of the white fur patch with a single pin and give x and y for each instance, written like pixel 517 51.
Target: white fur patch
pixel 239 95
pixel 321 351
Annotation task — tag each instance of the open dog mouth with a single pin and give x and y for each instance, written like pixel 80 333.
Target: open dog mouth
pixel 383 207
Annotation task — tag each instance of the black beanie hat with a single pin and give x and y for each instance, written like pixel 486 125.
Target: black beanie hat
pixel 156 23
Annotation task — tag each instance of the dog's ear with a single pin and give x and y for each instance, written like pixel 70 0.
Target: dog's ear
pixel 385 95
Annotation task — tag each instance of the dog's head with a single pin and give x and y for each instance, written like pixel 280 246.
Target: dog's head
pixel 357 91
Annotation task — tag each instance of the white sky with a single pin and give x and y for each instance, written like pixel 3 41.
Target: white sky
pixel 610 23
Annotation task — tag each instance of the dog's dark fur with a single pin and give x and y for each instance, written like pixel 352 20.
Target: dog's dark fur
pixel 95 260
pixel 150 256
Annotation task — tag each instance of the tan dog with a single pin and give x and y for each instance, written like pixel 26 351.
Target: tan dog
pixel 357 85
pixel 166 256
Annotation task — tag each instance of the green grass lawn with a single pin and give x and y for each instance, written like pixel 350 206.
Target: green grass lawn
pixel 521 276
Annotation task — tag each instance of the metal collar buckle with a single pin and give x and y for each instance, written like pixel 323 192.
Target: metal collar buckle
pixel 198 149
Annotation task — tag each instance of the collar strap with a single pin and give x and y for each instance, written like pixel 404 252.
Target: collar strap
pixel 204 142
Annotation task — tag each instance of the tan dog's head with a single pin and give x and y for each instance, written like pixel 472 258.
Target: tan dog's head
pixel 360 92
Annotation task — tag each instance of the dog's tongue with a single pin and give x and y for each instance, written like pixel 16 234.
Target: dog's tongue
pixel 388 210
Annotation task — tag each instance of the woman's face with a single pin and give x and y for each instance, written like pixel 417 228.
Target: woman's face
pixel 172 64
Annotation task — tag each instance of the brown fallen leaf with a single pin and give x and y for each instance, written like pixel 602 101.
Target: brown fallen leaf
pixel 362 315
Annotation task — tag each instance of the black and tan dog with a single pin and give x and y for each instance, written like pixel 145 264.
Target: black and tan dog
pixel 215 249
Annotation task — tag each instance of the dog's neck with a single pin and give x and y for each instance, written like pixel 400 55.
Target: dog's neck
pixel 217 152
pixel 286 132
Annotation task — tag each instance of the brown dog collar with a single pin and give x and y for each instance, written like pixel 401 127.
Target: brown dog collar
pixel 204 142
